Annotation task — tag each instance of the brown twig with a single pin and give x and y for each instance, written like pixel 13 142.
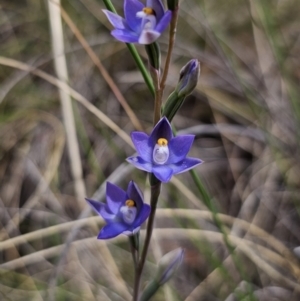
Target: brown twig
pixel 172 34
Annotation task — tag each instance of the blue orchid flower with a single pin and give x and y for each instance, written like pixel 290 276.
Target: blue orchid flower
pixel 142 24
pixel 161 153
pixel 123 213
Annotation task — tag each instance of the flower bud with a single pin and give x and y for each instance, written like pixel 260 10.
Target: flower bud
pixel 188 78
pixel 168 265
pixel 153 53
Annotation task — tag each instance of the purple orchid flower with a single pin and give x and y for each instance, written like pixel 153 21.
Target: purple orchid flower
pixel 161 153
pixel 124 212
pixel 142 24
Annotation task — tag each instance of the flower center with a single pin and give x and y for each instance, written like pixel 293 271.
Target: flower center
pixel 129 212
pixel 149 11
pixel 161 151
pixel 148 16
pixel 130 203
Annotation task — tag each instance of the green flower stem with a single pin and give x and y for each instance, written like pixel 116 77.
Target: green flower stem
pixel 155 191
pixel 158 95
pixel 209 204
pixel 172 34
pixel 154 66
pixel 109 6
pixel 172 4
pixel 134 247
pixel 141 67
pixel 134 54
pixel 153 53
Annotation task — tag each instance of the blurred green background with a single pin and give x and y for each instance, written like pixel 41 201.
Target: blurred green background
pixel 245 113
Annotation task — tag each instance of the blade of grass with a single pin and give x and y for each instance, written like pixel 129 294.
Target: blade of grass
pixel 50 171
pixel 102 70
pixel 66 103
pixel 77 96
pixel 259 255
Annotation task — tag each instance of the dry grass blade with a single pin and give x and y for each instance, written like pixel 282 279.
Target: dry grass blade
pixel 164 213
pixel 66 102
pixel 62 85
pixel 264 261
pixel 77 96
pixel 50 171
pixel 102 70
pixel 244 113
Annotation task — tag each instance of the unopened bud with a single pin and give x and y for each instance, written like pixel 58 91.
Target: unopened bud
pixel 188 78
pixel 153 53
pixel 168 265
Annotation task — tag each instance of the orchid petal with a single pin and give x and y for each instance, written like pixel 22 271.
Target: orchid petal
pixel 131 8
pixel 117 21
pixel 164 22
pixel 139 163
pixel 162 173
pixel 143 215
pixel 185 165
pixel 148 36
pixel 179 147
pixel 140 141
pixel 135 194
pixel 101 209
pixel 125 36
pixel 161 130
pixel 112 230
pixel 115 197
pixel 157 7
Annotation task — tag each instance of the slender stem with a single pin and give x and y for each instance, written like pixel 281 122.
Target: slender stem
pixel 109 6
pixel 134 248
pixel 157 105
pixel 141 67
pixel 155 191
pixel 153 53
pixel 172 34
pixel 155 184
pixel 158 95
pixel 136 288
